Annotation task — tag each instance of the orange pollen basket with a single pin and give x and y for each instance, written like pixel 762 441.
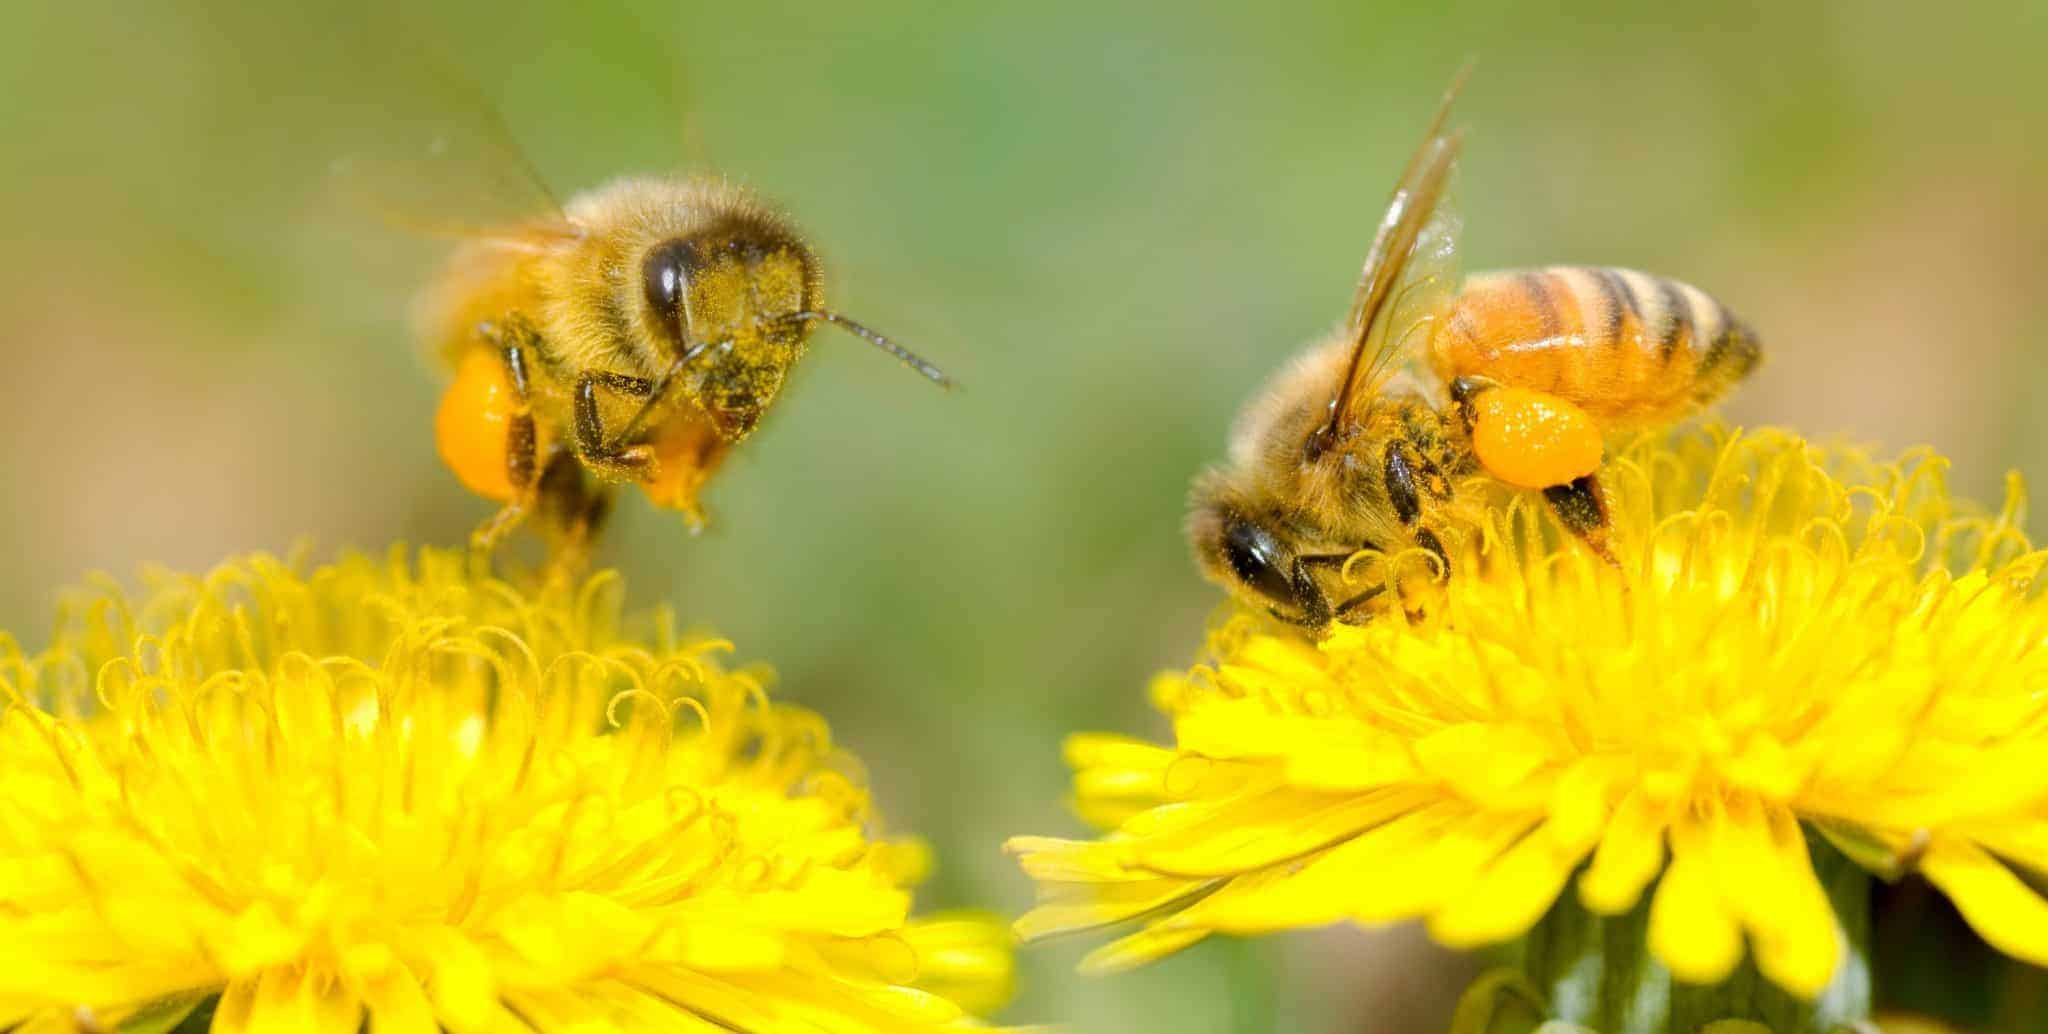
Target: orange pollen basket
pixel 472 426
pixel 1531 439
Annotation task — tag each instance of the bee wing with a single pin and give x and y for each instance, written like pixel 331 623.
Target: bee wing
pixel 427 151
pixel 1408 272
pixel 454 184
pixel 1424 288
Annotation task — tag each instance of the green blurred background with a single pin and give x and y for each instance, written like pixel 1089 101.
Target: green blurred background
pixel 1110 221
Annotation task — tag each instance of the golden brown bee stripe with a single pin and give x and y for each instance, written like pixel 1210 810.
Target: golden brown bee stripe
pixel 1537 284
pixel 1677 317
pixel 1616 301
pixel 1626 345
pixel 1665 312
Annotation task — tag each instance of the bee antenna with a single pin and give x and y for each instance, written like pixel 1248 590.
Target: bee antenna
pixel 902 354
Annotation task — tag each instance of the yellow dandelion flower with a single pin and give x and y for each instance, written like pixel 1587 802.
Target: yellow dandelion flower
pixel 389 791
pixel 1798 643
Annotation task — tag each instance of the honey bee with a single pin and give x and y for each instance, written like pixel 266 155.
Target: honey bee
pixel 1372 436
pixel 635 337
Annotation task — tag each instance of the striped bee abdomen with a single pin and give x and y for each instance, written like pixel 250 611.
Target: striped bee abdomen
pixel 1630 348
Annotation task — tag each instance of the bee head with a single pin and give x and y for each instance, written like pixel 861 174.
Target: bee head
pixel 733 308
pixel 728 307
pixel 1258 562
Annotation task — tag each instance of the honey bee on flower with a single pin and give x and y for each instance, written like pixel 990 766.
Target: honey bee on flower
pixel 1518 377
pixel 1817 664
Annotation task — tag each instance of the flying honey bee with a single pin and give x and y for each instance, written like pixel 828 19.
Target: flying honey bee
pixel 634 337
pixel 1370 438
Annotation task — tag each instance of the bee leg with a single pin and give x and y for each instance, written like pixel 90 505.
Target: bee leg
pixel 1315 609
pixel 575 509
pixel 485 539
pixel 1579 503
pixel 1581 507
pixel 1348 609
pixel 1315 606
pixel 1401 470
pixel 1296 619
pixel 1463 391
pixel 607 458
pixel 1428 541
pixel 1525 437
pixel 520 461
pixel 1397 472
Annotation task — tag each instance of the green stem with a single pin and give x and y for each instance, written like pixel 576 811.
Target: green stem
pixel 1595 973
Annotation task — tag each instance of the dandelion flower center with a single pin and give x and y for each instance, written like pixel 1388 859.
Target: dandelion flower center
pixel 389 791
pixel 1798 642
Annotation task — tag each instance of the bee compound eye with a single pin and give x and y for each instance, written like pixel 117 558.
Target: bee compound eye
pixel 665 279
pixel 1255 557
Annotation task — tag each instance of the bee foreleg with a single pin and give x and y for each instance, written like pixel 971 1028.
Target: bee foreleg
pixel 1315 605
pixel 1348 609
pixel 1581 507
pixel 605 457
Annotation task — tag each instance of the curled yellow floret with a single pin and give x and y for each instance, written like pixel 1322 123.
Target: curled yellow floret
pixel 1798 642
pixel 388 791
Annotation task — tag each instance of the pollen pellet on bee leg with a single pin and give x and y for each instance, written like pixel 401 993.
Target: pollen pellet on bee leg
pixel 685 450
pixel 1531 439
pixel 473 425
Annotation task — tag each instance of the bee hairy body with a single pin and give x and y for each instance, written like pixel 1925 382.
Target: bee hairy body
pixel 564 338
pixel 635 338
pixel 1629 348
pixel 1346 491
pixel 1369 490
pixel 580 296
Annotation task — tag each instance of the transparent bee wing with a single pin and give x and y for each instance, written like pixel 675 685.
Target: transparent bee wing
pixel 426 149
pixel 1408 273
pixel 431 149
pixel 1421 296
pixel 450 181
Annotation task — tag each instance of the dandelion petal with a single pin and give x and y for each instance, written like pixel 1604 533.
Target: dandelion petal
pixel 1509 896
pixel 2001 907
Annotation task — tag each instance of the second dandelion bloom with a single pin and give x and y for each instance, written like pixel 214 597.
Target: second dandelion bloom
pixel 1802 653
pixel 391 792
